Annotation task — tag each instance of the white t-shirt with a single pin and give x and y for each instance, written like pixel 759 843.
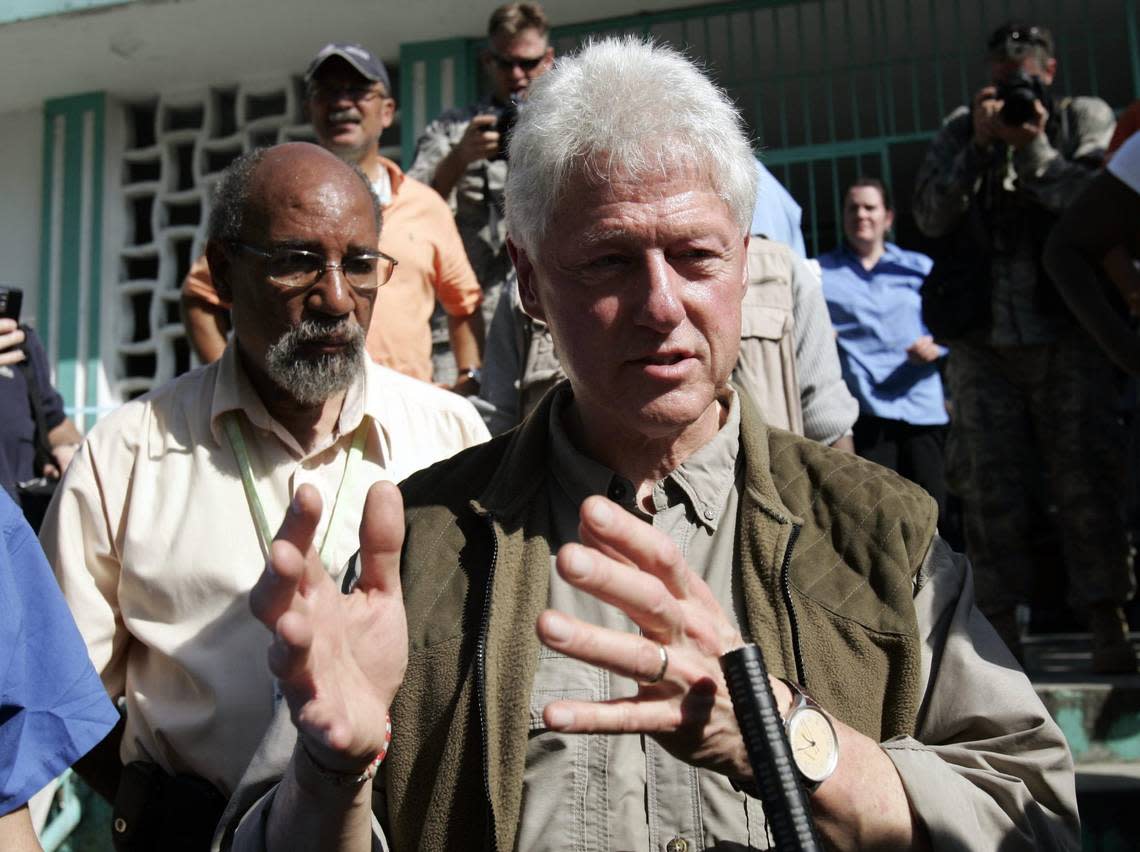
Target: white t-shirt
pixel 1125 163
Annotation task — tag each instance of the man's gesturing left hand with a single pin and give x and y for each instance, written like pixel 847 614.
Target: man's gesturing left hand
pixel 628 564
pixel 338 658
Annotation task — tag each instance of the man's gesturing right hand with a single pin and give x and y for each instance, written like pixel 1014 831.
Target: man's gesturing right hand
pixel 338 658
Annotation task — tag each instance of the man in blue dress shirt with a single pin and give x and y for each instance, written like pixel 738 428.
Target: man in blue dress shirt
pixel 888 356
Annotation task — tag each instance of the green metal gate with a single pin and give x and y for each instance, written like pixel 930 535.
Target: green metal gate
pixel 830 89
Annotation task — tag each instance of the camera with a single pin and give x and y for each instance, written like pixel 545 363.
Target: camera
pixel 508 115
pixel 1018 91
pixel 11 298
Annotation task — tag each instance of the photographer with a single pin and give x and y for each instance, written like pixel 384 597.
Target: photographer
pixel 1033 395
pixel 462 154
pixel 37 440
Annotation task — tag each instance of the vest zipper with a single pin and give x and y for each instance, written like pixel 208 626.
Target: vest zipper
pixel 786 584
pixel 481 677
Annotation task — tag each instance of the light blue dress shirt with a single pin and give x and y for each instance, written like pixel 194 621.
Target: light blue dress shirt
pixel 877 315
pixel 776 215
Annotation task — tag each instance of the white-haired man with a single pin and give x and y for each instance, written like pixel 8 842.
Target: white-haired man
pixel 562 682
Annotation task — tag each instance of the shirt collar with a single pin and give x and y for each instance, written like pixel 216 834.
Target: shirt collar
pixel 891 254
pixel 395 177
pixel 702 481
pixel 233 391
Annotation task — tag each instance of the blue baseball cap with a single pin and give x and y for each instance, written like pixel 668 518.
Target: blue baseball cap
pixel 358 57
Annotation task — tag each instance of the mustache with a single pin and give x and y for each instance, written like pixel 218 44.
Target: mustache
pixel 341 330
pixel 340 115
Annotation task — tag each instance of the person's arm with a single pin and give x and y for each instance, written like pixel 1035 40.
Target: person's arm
pixel 479 142
pixel 1101 219
pixel 466 335
pixel 460 295
pixel 505 356
pixel 16 832
pixel 338 660
pixel 828 407
pixel 627 563
pixel 1044 173
pixel 949 173
pixel 205 316
pixel 64 440
pixel 63 437
pixel 987 768
pixel 845 443
pixel 441 158
pixel 79 545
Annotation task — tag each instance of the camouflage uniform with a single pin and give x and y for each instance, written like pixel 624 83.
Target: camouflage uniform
pixel 1032 396
pixel 477 201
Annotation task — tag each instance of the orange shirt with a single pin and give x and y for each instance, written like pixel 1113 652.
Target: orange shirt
pixel 419 231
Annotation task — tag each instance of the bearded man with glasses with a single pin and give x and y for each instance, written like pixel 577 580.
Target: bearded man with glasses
pixel 159 529
pixel 462 153
pixel 350 104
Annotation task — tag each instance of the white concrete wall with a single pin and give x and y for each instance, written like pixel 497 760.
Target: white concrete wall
pixel 20 176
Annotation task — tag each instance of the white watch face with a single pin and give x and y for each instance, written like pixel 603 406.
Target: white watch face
pixel 815 748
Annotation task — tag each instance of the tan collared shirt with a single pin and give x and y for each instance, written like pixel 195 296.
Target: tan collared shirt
pixel 608 793
pixel 156 550
pixel 649 796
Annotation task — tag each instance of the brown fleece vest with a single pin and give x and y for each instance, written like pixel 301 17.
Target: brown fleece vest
pixel 842 620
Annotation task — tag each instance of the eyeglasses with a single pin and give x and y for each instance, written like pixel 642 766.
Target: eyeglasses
pixel 509 63
pixel 299 269
pixel 356 93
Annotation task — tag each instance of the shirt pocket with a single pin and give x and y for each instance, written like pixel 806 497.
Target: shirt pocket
pixel 763 321
pixel 561 678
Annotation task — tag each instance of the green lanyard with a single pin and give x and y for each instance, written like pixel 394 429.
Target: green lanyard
pixel 264 534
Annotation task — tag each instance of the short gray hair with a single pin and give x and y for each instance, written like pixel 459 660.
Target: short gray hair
pixel 231 196
pixel 622 105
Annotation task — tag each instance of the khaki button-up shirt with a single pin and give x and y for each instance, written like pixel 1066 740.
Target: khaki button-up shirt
pixel 634 794
pixel 156 549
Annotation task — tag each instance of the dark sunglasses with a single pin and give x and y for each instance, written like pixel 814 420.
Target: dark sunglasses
pixel 507 63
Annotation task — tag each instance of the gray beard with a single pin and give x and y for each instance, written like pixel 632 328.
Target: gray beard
pixel 310 381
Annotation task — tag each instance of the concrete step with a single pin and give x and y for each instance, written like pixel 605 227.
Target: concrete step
pixel 1099 714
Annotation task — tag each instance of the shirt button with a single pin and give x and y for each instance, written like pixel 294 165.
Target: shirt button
pixel 616 491
pixel 677 844
pixel 709 514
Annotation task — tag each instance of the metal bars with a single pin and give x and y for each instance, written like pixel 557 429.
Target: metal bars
pixel 854 85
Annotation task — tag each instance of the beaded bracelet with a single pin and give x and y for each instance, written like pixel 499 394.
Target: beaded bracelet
pixel 349 779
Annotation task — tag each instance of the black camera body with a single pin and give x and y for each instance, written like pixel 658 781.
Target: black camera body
pixel 11 298
pixel 1017 92
pixel 508 115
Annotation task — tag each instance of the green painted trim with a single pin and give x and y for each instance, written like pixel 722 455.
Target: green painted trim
pixel 74 183
pixel 95 290
pixel 826 150
pixel 44 307
pixel 432 53
pixel 67 311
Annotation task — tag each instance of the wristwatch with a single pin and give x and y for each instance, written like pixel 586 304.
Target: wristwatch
pixel 812 737
pixel 474 373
